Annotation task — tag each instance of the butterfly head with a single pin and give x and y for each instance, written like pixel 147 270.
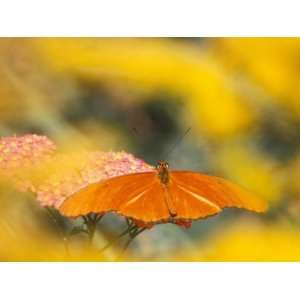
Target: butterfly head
pixel 162 164
pixel 162 168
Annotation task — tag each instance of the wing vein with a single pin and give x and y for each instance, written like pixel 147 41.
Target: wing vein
pixel 137 197
pixel 198 197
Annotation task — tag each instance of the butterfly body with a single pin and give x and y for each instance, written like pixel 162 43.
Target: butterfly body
pixel 162 169
pixel 161 195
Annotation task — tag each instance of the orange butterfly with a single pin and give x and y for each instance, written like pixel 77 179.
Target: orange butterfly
pixel 161 196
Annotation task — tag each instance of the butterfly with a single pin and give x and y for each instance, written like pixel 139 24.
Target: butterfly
pixel 161 195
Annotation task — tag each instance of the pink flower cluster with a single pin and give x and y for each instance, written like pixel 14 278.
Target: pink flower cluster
pixel 19 154
pixel 97 166
pixel 26 151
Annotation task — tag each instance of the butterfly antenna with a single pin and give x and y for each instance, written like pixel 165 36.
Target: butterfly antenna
pixel 177 142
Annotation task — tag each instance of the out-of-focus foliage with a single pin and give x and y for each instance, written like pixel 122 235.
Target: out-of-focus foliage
pixel 240 96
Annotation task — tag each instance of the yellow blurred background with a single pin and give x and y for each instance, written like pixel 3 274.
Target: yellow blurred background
pixel 240 96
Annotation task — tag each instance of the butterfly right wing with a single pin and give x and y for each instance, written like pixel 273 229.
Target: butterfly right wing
pixel 188 204
pixel 196 195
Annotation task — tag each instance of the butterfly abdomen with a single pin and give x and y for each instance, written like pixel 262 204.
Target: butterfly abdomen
pixel 164 177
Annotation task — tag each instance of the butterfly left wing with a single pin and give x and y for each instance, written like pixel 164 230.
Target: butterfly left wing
pixel 140 196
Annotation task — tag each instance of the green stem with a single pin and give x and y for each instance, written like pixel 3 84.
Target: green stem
pixel 60 230
pixel 91 234
pixel 98 218
pixel 109 244
pixel 130 240
pixel 91 225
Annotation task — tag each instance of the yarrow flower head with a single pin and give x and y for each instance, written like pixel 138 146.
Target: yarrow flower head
pixel 18 155
pixel 91 167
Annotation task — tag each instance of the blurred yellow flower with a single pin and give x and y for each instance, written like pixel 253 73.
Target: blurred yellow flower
pixel 155 64
pixel 270 63
pixel 249 241
pixel 293 171
pixel 251 169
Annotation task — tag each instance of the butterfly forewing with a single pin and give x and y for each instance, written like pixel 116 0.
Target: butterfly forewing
pixel 139 196
pixel 190 205
pixel 216 190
